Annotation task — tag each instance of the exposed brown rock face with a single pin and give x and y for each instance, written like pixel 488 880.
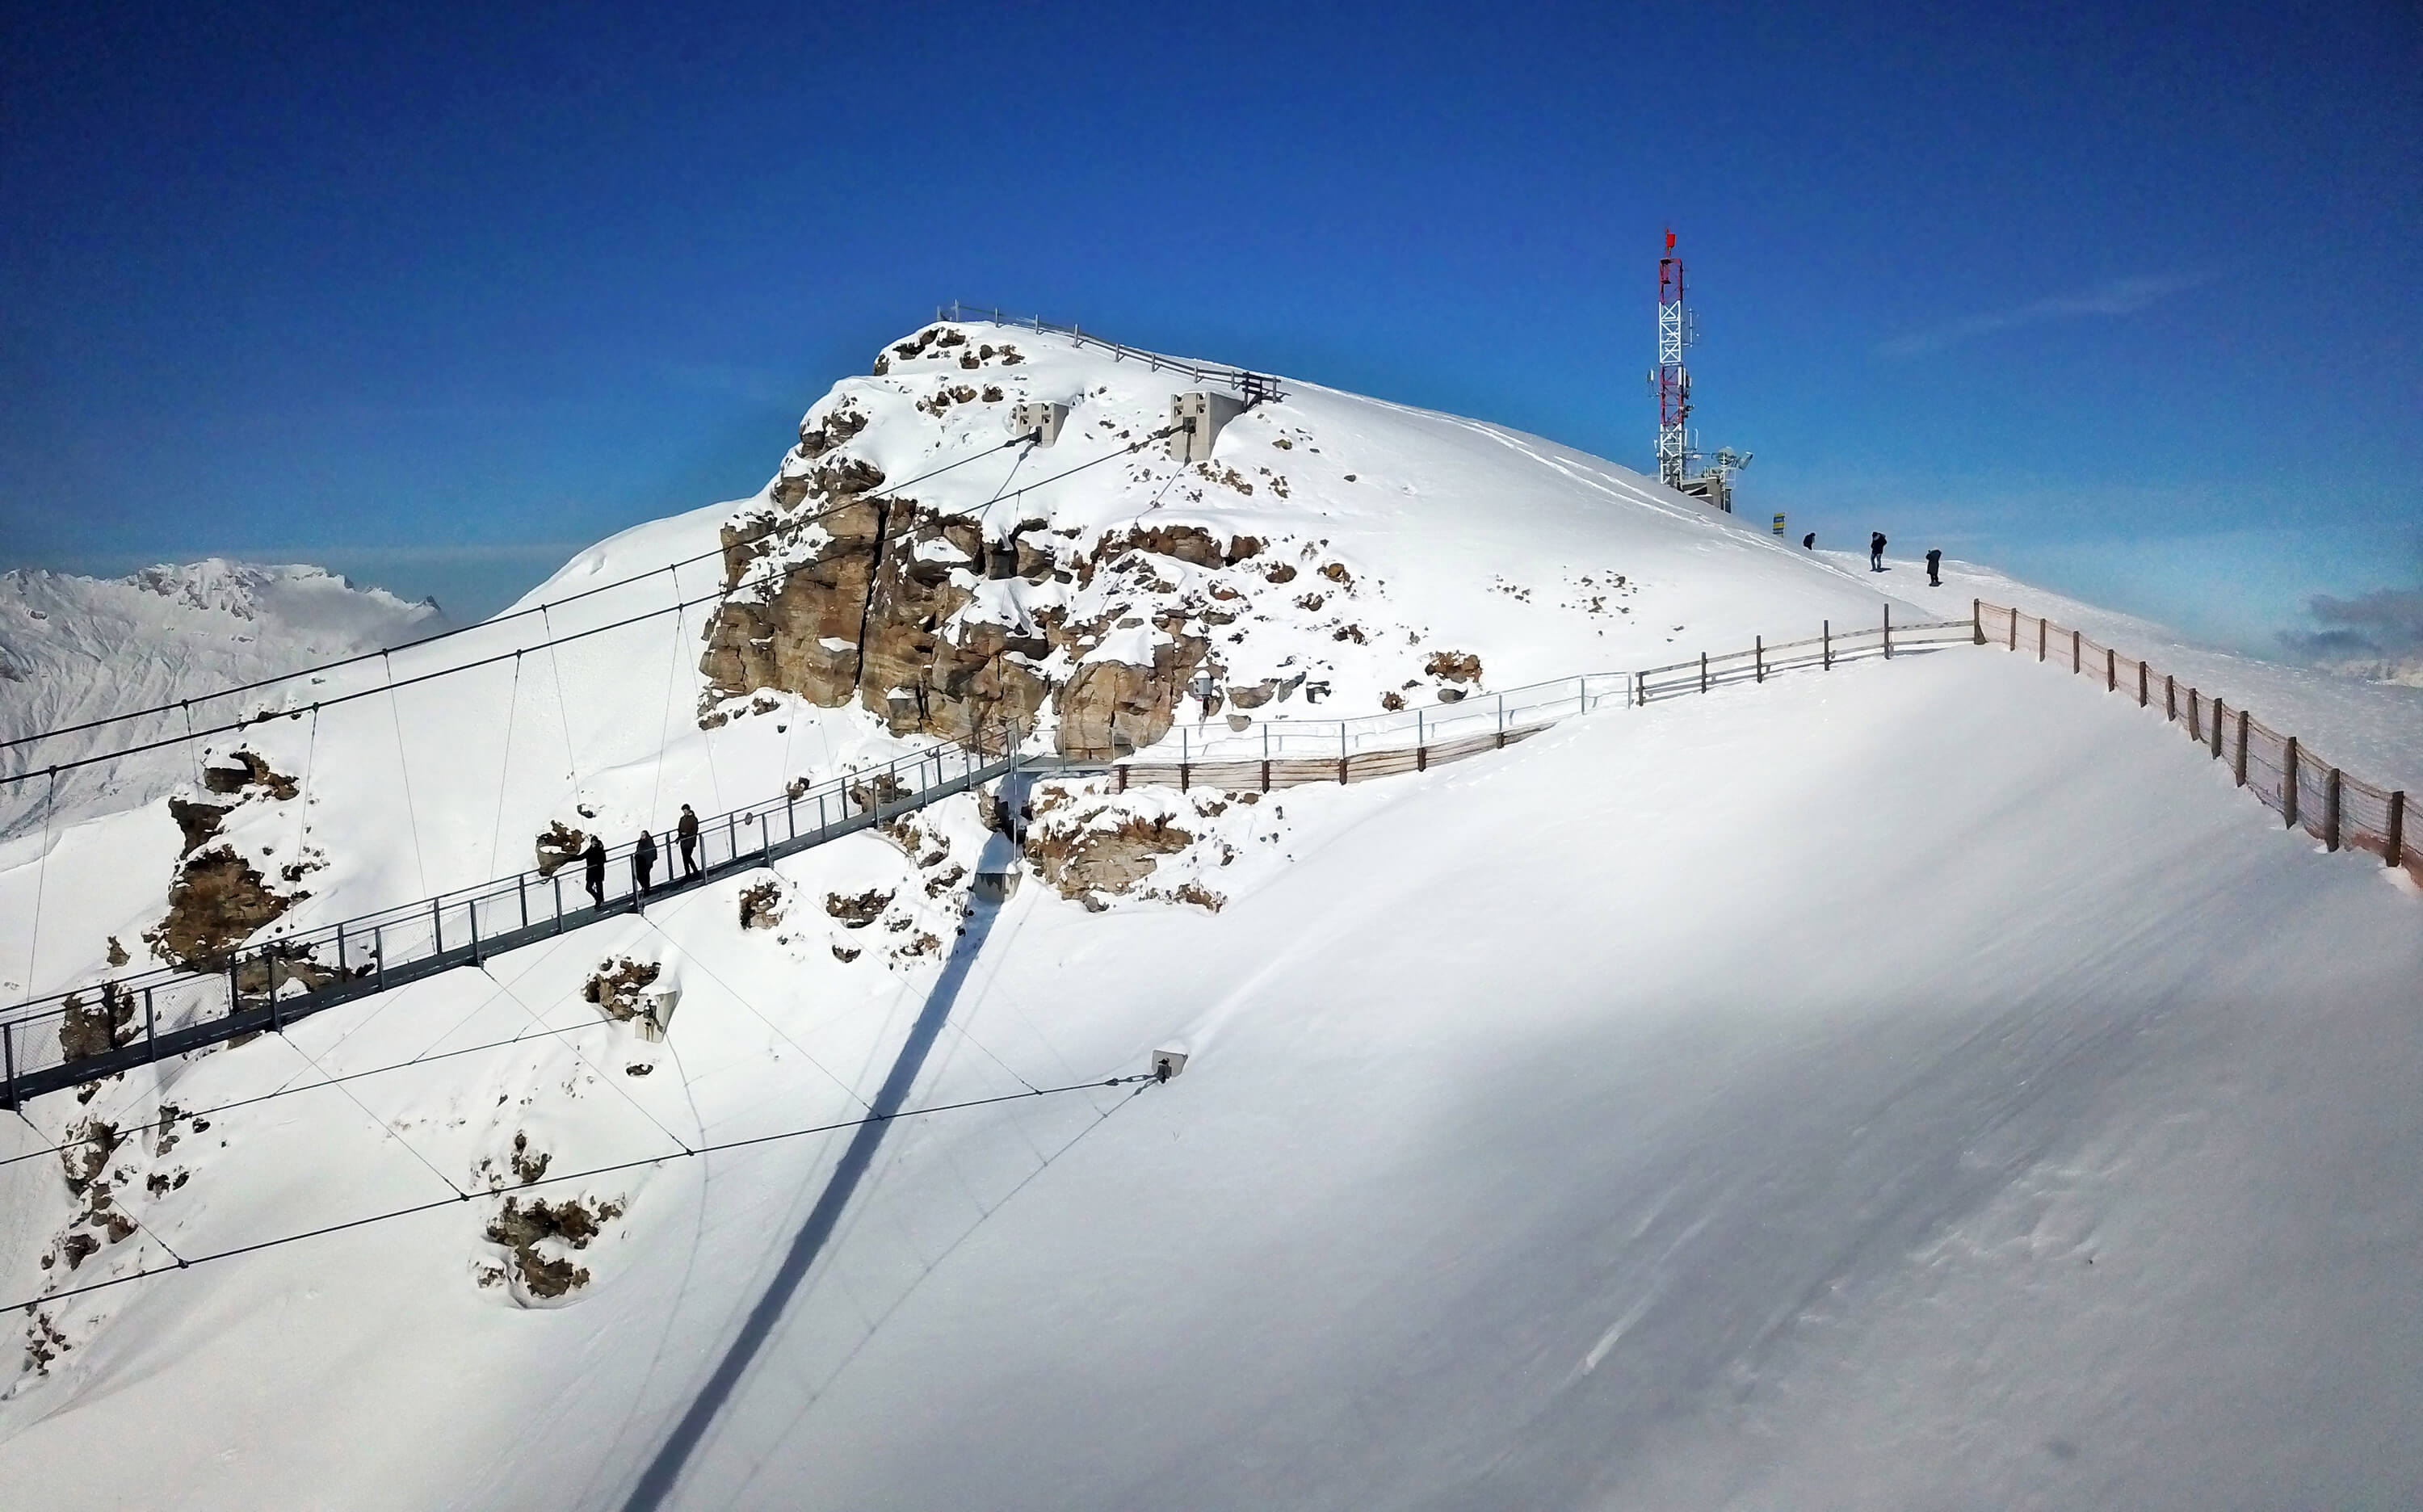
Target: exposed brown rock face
pixel 1108 708
pixel 873 598
pixel 571 1222
pixel 1079 857
pixel 200 822
pixel 245 768
pixel 761 906
pixel 616 984
pixel 216 903
pixel 1456 666
pixel 557 846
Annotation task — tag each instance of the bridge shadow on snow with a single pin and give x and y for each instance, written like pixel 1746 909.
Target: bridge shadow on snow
pixel 655 1484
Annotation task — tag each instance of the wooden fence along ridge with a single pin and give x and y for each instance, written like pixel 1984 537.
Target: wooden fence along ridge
pixel 2304 788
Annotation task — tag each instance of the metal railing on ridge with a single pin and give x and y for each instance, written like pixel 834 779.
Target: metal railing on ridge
pixel 2305 788
pixel 1254 386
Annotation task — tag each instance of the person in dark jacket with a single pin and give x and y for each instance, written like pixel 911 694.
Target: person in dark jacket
pixel 1809 542
pixel 593 862
pixel 687 830
pixel 1935 569
pixel 1876 551
pixel 643 861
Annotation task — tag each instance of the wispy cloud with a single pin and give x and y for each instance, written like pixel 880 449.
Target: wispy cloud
pixel 2385 626
pixel 2120 297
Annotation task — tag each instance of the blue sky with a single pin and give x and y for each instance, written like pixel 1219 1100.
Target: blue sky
pixel 2121 297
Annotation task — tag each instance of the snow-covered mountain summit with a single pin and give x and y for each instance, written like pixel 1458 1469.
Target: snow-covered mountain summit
pixel 1919 1083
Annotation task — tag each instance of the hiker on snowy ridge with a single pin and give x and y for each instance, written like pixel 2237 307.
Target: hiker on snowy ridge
pixel 687 830
pixel 1934 569
pixel 643 861
pixel 1876 551
pixel 592 863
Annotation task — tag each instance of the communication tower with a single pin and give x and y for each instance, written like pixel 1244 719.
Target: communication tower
pixel 1676 329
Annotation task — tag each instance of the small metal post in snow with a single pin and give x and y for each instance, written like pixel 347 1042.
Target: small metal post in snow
pixel 1826 635
pixel 2288 785
pixel 1889 633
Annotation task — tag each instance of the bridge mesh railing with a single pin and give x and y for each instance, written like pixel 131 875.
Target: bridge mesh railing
pixel 172 1011
pixel 170 1006
pixel 2282 771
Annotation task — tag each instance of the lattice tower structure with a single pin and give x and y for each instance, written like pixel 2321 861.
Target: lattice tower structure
pixel 1673 381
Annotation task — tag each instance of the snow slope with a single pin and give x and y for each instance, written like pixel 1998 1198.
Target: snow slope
pixel 1629 1119
pixel 1924 1083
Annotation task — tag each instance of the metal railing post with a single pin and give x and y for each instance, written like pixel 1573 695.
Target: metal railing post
pixel 1704 672
pixel 1889 633
pixel 558 881
pixel 378 953
pixel 1826 635
pixel 8 1063
pixel 151 1027
pixel 1758 649
pixel 521 892
pixel 340 953
pixel 436 929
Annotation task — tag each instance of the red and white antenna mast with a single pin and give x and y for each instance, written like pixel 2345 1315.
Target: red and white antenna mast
pixel 1672 379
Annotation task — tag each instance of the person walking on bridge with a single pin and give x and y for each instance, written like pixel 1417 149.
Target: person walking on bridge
pixel 1876 551
pixel 643 861
pixel 687 832
pixel 592 863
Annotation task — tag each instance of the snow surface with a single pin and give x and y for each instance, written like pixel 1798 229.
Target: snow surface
pixel 1924 1083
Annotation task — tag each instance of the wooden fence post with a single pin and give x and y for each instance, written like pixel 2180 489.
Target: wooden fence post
pixel 2243 718
pixel 1704 672
pixel 2196 726
pixel 1978 621
pixel 2171 698
pixel 2044 632
pixel 2331 811
pixel 2288 782
pixel 1758 649
pixel 2143 676
pixel 2015 629
pixel 1828 633
pixel 2398 828
pixel 2077 639
pixel 2110 670
pixel 1889 633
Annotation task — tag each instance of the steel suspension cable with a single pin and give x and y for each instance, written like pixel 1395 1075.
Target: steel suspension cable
pixel 775 528
pixel 614 1168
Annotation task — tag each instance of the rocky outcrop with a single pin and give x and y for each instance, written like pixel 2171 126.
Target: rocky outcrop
pixel 1108 709
pixel 557 846
pixel 616 984
pixel 570 1224
pixel 88 1029
pixel 835 593
pixel 241 770
pixel 219 901
pixel 1080 856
